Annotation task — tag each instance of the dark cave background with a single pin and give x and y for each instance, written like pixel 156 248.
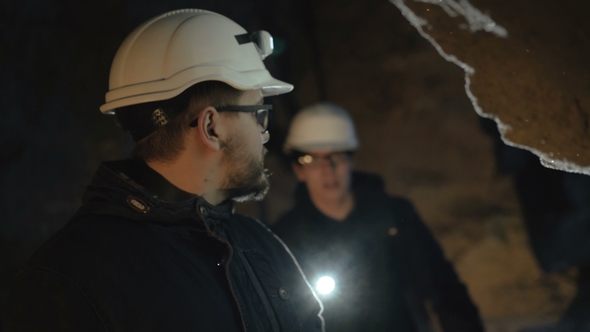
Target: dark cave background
pixel 485 202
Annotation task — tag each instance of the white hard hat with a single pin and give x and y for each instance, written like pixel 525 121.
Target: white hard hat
pixel 171 52
pixel 321 126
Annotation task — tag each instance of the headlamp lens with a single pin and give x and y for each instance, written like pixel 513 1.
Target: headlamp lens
pixel 264 43
pixel 325 285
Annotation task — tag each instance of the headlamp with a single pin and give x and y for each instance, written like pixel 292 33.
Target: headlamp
pixel 261 39
pixel 264 43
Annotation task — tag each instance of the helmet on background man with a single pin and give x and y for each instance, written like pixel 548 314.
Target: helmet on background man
pixel 171 52
pixel 321 126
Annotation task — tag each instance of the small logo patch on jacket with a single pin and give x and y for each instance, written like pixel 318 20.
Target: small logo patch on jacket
pixel 137 204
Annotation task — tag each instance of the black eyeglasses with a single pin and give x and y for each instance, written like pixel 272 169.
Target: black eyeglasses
pixel 261 112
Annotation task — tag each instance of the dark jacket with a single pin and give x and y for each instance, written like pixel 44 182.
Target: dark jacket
pixel 133 261
pixel 390 272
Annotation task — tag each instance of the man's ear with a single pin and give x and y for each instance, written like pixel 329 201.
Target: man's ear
pixel 208 126
pixel 299 171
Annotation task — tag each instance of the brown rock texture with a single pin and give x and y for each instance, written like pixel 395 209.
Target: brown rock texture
pixel 533 80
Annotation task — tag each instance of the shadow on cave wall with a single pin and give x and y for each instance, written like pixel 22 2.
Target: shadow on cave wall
pixel 556 215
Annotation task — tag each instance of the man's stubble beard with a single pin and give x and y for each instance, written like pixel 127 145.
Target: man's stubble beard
pixel 246 178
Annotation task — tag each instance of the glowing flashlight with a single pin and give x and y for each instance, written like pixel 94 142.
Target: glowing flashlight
pixel 325 285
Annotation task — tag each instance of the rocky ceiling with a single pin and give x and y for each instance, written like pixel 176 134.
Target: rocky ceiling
pixel 526 66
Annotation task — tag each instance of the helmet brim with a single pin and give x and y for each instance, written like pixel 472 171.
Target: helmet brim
pixel 160 90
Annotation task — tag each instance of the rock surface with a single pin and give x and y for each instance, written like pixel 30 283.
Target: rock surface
pixel 526 66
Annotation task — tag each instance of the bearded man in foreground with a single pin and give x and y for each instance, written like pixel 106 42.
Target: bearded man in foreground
pixel 156 245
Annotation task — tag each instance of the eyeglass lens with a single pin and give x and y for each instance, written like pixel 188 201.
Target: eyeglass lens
pixel 262 118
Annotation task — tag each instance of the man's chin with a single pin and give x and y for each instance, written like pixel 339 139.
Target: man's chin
pixel 332 190
pixel 252 193
pixel 249 183
pixel 257 195
pixel 332 194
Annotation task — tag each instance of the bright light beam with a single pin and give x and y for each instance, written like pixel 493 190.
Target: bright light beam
pixel 325 285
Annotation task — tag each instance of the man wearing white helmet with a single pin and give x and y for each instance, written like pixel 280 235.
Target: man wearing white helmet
pixel 375 264
pixel 156 245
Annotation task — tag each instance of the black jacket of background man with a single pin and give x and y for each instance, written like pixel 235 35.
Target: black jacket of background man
pixel 390 273
pixel 133 261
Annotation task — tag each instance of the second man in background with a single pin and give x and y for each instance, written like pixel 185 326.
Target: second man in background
pixel 378 265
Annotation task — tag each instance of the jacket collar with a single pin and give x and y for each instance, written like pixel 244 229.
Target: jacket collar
pixel 132 189
pixel 156 183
